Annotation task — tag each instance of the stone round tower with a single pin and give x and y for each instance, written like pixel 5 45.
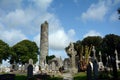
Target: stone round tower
pixel 43 43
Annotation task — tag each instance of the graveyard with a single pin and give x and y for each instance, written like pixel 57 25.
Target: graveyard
pixel 90 59
pixel 59 39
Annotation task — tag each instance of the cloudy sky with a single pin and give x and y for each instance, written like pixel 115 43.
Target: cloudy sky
pixel 69 21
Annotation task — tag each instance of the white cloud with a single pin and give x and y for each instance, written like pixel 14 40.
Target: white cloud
pixel 92 33
pixel 22 21
pixel 114 17
pixel 59 39
pixel 37 40
pixel 18 17
pixel 71 32
pixel 10 5
pixel 43 4
pixel 12 36
pixel 59 54
pixel 95 12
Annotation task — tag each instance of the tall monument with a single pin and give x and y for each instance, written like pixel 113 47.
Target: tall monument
pixel 43 44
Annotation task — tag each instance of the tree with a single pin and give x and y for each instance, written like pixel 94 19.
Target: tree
pixel 23 51
pixel 110 43
pixel 4 51
pixel 94 41
pixel 48 58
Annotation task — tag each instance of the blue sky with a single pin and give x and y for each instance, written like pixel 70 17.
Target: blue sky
pixel 69 21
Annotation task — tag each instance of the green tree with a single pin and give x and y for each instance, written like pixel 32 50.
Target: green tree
pixel 4 51
pixel 110 43
pixel 48 58
pixel 94 41
pixel 23 51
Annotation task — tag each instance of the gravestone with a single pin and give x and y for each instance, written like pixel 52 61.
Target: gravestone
pixel 53 66
pixel 114 67
pixel 100 64
pixel 36 70
pixel 25 67
pixel 117 61
pixel 95 69
pixel 94 53
pixel 30 69
pixel 71 51
pixel 89 72
pixel 31 61
pixel 66 64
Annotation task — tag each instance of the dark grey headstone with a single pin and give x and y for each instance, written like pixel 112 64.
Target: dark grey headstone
pixel 30 71
pixel 89 72
pixel 95 69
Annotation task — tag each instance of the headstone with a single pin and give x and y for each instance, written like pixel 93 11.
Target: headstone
pixel 94 52
pixel 117 61
pixel 30 70
pixel 0 68
pixel 71 51
pixel 114 67
pixel 89 72
pixel 25 67
pixel 95 69
pixel 31 61
pixel 100 63
pixel 66 64
pixel 36 70
pixel 53 66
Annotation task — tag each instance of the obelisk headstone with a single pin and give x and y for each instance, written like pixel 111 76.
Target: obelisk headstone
pixel 43 43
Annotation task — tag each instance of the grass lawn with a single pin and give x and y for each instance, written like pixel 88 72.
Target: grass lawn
pixel 24 77
pixel 80 76
pixel 20 77
pixel 103 75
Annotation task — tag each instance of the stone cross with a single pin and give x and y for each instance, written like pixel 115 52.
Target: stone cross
pixel 116 54
pixel 101 67
pixel 100 56
pixel 73 53
pixel 94 52
pixel 117 61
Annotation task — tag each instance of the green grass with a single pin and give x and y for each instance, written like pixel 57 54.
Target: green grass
pixel 80 76
pixel 20 77
pixel 24 77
